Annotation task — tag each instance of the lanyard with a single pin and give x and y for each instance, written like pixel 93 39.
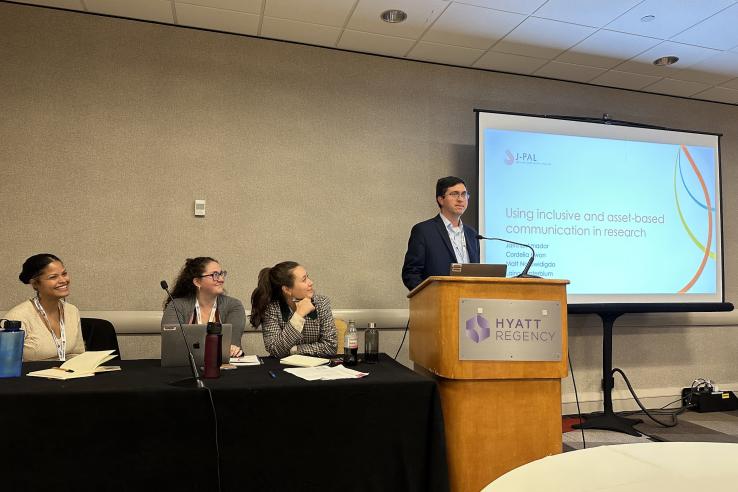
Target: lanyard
pixel 213 312
pixel 61 344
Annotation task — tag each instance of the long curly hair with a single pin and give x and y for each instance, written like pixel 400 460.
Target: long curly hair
pixel 193 268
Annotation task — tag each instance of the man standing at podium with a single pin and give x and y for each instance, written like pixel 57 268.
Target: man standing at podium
pixel 436 243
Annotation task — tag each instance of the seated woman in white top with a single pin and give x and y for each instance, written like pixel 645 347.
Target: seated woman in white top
pixel 52 325
pixel 294 319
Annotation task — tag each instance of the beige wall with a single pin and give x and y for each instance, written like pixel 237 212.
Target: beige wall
pixel 109 130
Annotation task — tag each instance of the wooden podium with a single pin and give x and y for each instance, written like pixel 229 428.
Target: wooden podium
pixel 498 414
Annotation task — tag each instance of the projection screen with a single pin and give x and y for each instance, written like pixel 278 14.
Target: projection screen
pixel 627 214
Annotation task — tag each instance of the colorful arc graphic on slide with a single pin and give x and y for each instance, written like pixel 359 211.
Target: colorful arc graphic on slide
pixel 707 205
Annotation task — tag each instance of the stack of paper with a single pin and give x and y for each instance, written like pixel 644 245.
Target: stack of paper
pixel 82 366
pixel 303 361
pixel 325 373
pixel 245 360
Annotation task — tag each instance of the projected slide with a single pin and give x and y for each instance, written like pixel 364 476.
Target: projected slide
pixel 624 218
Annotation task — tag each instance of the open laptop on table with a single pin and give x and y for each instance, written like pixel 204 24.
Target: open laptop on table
pixel 174 353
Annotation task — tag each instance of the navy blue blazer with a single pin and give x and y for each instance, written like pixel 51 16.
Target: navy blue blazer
pixel 429 251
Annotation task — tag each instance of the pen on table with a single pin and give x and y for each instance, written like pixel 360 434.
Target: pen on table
pixel 272 374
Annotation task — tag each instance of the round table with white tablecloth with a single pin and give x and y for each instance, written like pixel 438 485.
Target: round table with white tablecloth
pixel 641 467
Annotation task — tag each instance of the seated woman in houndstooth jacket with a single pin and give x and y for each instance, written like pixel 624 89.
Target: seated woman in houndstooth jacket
pixel 294 319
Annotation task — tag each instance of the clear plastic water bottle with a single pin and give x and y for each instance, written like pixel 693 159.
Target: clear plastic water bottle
pixel 371 344
pixel 351 345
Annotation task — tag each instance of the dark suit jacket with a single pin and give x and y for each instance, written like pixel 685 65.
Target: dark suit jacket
pixel 429 251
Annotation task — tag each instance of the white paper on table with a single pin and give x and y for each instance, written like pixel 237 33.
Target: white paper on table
pixel 325 373
pixel 245 360
pixel 341 372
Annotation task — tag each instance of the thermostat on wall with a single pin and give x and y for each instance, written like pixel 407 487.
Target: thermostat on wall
pixel 199 208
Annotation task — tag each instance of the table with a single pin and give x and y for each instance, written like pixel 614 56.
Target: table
pixel 132 430
pixel 640 467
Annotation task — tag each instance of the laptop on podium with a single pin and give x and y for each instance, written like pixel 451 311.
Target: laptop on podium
pixel 478 270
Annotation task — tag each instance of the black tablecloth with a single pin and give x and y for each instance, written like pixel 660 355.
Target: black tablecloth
pixel 133 430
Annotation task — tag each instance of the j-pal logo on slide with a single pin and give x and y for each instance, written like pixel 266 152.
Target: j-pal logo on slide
pixel 528 158
pixel 477 328
pixel 511 158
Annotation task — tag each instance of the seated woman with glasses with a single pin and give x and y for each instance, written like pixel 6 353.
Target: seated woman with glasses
pixel 294 319
pixel 52 325
pixel 199 295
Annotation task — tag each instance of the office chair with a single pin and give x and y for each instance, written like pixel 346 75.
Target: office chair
pixel 341 327
pixel 99 334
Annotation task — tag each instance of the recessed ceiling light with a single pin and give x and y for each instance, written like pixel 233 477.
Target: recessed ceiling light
pixel 665 61
pixel 648 18
pixel 393 16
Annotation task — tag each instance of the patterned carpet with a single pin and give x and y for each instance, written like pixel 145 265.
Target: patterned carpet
pixel 691 426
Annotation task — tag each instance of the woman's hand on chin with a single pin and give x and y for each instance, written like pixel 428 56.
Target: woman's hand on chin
pixel 304 307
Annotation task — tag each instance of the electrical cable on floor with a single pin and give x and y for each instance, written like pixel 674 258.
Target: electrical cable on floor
pixel 649 414
pixel 217 442
pixel 664 410
pixel 576 397
pixel 403 338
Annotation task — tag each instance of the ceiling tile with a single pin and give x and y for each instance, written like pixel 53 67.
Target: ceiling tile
pixel 217 19
pixel 676 87
pixel 470 26
pixel 731 84
pixel 301 32
pixel 624 80
pixel 420 15
pixel 441 53
pixel 505 62
pixel 672 17
pixel 155 10
pixel 63 4
pixel 326 12
pixel 595 13
pixel 518 6
pixel 541 38
pixel 248 6
pixel 719 94
pixel 374 43
pixel 606 49
pixel 719 31
pixel 688 56
pixel 568 71
pixel 714 70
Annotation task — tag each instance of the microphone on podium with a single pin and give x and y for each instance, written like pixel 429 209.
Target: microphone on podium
pixel 193 365
pixel 524 273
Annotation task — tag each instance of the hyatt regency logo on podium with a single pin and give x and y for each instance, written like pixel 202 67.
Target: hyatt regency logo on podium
pixel 495 329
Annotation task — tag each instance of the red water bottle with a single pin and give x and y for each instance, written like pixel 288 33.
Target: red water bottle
pixel 213 350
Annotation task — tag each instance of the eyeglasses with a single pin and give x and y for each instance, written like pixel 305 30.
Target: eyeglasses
pixel 216 275
pixel 464 195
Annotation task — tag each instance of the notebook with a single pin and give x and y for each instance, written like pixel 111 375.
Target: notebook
pixel 174 353
pixel 83 365
pixel 303 360
pixel 478 269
